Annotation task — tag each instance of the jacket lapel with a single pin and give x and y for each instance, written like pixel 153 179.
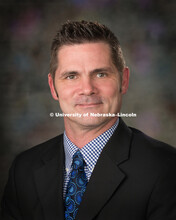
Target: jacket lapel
pixel 49 182
pixel 107 176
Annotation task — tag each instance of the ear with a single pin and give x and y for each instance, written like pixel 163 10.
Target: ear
pixel 52 87
pixel 125 80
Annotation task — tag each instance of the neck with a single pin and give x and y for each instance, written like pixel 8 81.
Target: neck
pixel 80 135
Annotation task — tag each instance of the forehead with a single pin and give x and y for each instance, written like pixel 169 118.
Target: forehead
pixel 94 52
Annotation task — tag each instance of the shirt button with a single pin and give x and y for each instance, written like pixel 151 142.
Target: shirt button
pixel 67 170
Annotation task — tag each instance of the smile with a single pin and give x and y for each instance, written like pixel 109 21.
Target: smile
pixel 89 105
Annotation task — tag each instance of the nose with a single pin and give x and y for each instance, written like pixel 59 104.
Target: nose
pixel 87 86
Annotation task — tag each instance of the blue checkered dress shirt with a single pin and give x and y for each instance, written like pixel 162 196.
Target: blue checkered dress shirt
pixel 90 152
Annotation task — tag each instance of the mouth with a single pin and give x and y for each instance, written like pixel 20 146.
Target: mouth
pixel 88 102
pixel 89 105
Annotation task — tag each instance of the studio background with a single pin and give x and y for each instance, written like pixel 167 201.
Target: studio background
pixel 147 33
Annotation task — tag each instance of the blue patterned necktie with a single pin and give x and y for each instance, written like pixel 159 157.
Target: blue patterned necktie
pixel 76 186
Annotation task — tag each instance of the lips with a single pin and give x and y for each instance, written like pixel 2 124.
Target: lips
pixel 88 101
pixel 89 105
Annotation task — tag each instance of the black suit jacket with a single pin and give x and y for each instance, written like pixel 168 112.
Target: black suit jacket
pixel 134 179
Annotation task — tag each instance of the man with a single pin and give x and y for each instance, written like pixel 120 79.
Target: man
pixel 99 168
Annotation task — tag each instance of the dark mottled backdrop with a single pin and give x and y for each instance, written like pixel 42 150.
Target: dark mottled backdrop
pixel 146 29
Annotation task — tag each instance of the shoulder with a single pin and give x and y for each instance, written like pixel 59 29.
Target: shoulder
pixel 146 141
pixel 41 148
pixel 32 157
pixel 150 149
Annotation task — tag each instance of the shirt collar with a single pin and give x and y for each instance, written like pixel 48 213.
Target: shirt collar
pixel 90 151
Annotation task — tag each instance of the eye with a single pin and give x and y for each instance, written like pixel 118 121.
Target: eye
pixel 71 77
pixel 101 75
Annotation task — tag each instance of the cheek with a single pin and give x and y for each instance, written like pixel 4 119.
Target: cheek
pixel 64 92
pixel 110 90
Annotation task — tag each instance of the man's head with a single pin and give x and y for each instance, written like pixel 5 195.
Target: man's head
pixel 88 73
pixel 76 32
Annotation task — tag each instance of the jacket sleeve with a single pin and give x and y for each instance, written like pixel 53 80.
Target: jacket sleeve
pixel 9 204
pixel 162 203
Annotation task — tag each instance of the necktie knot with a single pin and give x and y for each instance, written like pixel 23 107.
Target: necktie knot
pixel 78 162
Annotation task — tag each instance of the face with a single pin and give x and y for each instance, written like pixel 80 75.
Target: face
pixel 87 81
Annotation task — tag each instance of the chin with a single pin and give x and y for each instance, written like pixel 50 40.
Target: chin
pixel 92 121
